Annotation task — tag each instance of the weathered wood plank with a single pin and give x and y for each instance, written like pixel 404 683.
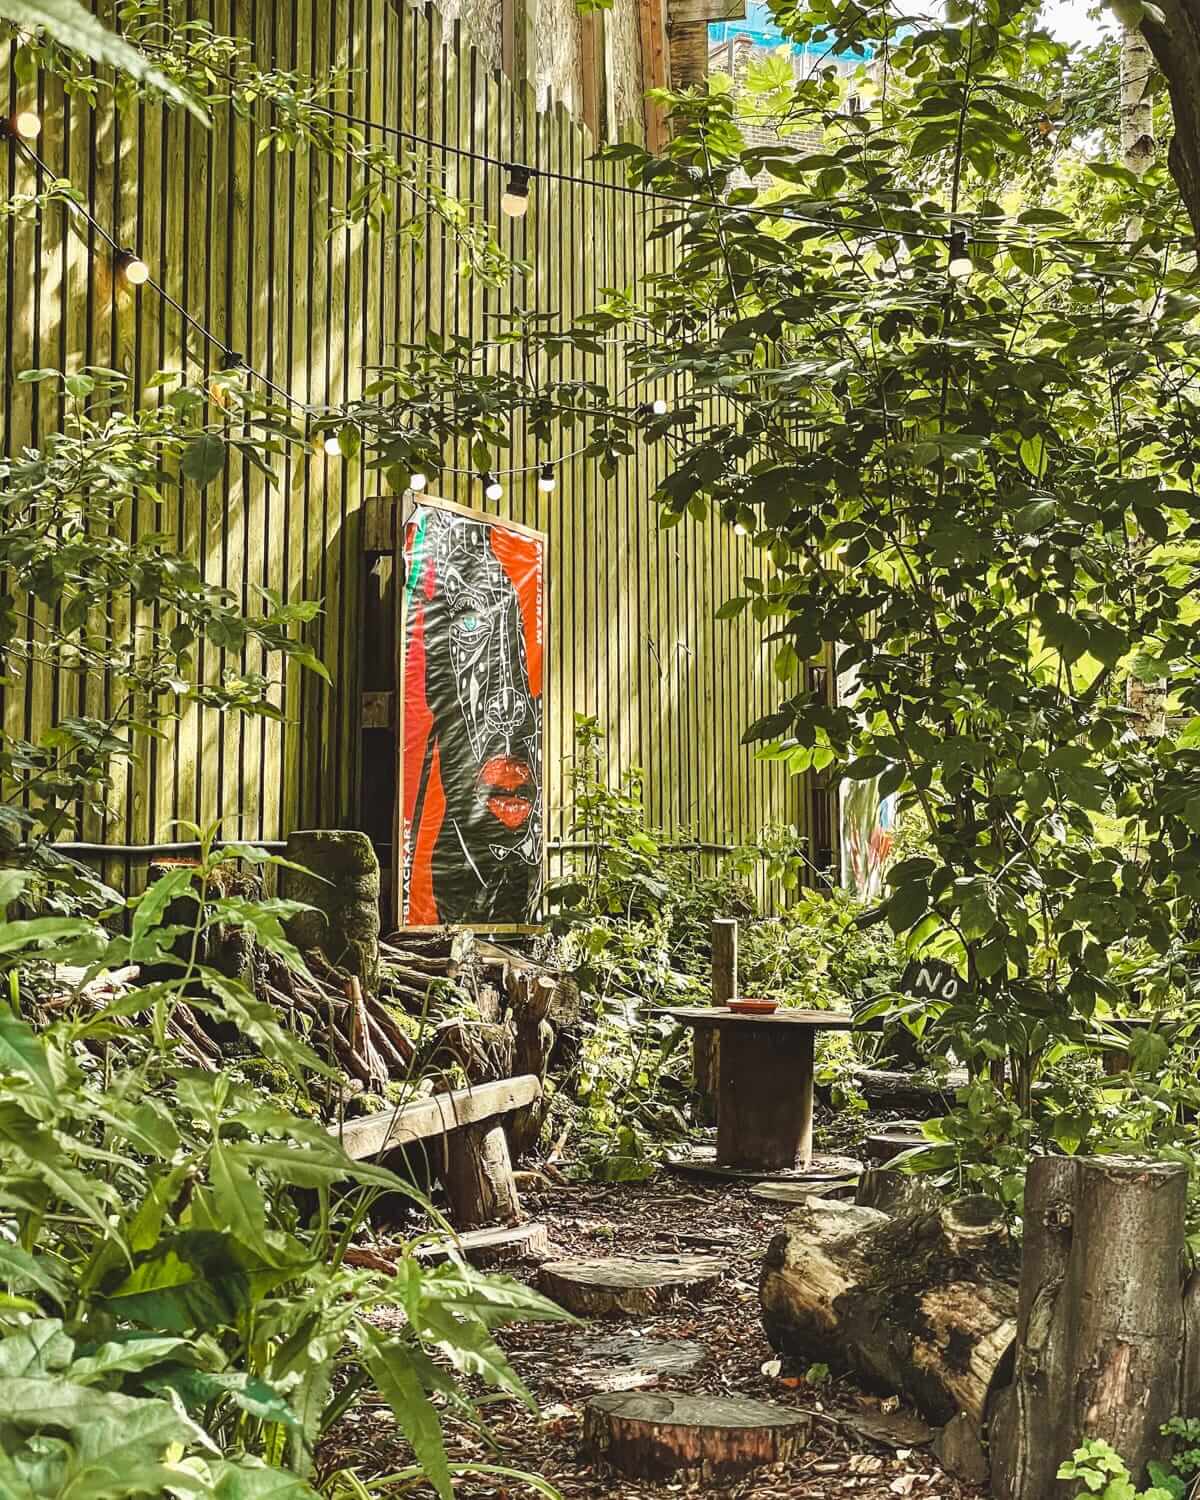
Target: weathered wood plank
pixel 426 1118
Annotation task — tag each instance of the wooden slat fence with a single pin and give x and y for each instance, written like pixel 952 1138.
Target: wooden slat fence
pixel 245 241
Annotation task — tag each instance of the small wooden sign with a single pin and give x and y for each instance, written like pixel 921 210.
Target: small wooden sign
pixel 933 979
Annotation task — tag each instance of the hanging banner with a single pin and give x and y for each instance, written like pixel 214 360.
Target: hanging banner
pixel 472 781
pixel 868 821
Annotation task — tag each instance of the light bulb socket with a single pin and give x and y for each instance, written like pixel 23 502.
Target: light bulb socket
pixel 231 359
pixel 960 263
pixel 547 479
pixel 515 199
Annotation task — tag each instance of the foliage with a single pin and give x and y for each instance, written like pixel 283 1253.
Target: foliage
pixel 179 1299
pixel 72 26
pixel 1103 1473
pixel 99 594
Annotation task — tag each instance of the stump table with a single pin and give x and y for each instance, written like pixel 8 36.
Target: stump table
pixel 765 1083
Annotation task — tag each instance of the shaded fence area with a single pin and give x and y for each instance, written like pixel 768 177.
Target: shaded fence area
pixel 254 245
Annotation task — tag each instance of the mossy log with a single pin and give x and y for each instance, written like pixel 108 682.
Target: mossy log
pixel 339 879
pixel 923 1306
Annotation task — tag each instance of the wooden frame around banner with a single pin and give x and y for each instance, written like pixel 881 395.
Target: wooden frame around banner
pixel 411 503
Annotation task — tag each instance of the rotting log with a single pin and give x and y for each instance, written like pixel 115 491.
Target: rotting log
pixel 923 1306
pixel 338 879
pixel 701 1439
pixel 1101 1350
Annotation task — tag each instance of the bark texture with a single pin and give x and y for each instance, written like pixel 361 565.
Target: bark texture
pixel 1100 1349
pixel 701 1439
pixel 343 892
pixel 610 1286
pixel 924 1306
pixel 478 1177
pixel 1175 44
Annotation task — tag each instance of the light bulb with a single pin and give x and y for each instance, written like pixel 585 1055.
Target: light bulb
pixel 740 530
pixel 417 481
pixel 659 407
pixel 332 447
pixel 492 487
pixel 133 268
pixel 961 264
pixel 547 479
pixel 27 123
pixel 515 199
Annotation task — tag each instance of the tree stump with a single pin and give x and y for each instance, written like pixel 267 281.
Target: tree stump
pixel 699 1439
pixel 478 1176
pixel 344 923
pixel 924 1306
pixel 610 1286
pixel 1100 1349
pixel 796 1194
pixel 896 1193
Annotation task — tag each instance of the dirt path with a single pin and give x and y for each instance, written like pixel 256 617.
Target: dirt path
pixel 665 1216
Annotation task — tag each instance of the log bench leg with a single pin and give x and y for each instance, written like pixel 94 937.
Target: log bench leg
pixel 478 1176
pixel 765 1113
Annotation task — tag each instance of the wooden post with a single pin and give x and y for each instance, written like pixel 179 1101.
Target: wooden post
pixel 478 1176
pixel 706 1041
pixel 1100 1347
pixel 342 893
pixel 531 1000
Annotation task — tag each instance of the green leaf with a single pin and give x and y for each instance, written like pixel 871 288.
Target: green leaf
pixel 40 1348
pixel 22 1052
pixel 1033 456
pixel 391 1366
pixel 203 458
pixel 907 905
pixel 239 1199
pixel 251 1479
pixel 1035 516
pixel 19 1268
pixel 74 27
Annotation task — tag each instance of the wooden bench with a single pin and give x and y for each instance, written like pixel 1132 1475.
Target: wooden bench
pixel 474 1163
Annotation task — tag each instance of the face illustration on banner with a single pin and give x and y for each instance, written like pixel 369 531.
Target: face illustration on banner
pixel 474 833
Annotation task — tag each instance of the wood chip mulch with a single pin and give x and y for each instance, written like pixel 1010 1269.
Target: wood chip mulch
pixel 666 1215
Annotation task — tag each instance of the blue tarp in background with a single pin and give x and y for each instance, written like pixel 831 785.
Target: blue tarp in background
pixel 763 32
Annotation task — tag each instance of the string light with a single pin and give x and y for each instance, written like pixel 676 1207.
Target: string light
pixel 492 487
pixel 417 481
pixel 515 199
pixel 740 530
pixel 961 265
pixel 547 479
pixel 131 267
pixel 333 449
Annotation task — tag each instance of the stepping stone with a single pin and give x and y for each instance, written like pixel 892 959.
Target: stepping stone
pixel 701 1161
pixel 696 1439
pixel 620 1362
pixel 492 1247
pixel 608 1286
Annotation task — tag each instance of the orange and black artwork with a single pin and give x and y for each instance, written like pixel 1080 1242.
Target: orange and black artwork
pixel 472 758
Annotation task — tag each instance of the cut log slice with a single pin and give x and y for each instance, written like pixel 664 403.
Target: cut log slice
pixel 492 1247
pixel 620 1362
pixel 704 1439
pixel 609 1286
pixel 887 1144
pixel 701 1161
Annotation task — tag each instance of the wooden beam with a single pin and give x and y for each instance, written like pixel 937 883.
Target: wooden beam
pixel 693 12
pixel 653 29
pixel 595 111
pixel 689 53
pixel 425 1119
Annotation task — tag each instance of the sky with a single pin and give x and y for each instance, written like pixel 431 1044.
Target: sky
pixel 1069 21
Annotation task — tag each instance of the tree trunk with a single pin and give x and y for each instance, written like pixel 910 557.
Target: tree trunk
pixel 924 1306
pixel 1100 1350
pixel 478 1176
pixel 1175 44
